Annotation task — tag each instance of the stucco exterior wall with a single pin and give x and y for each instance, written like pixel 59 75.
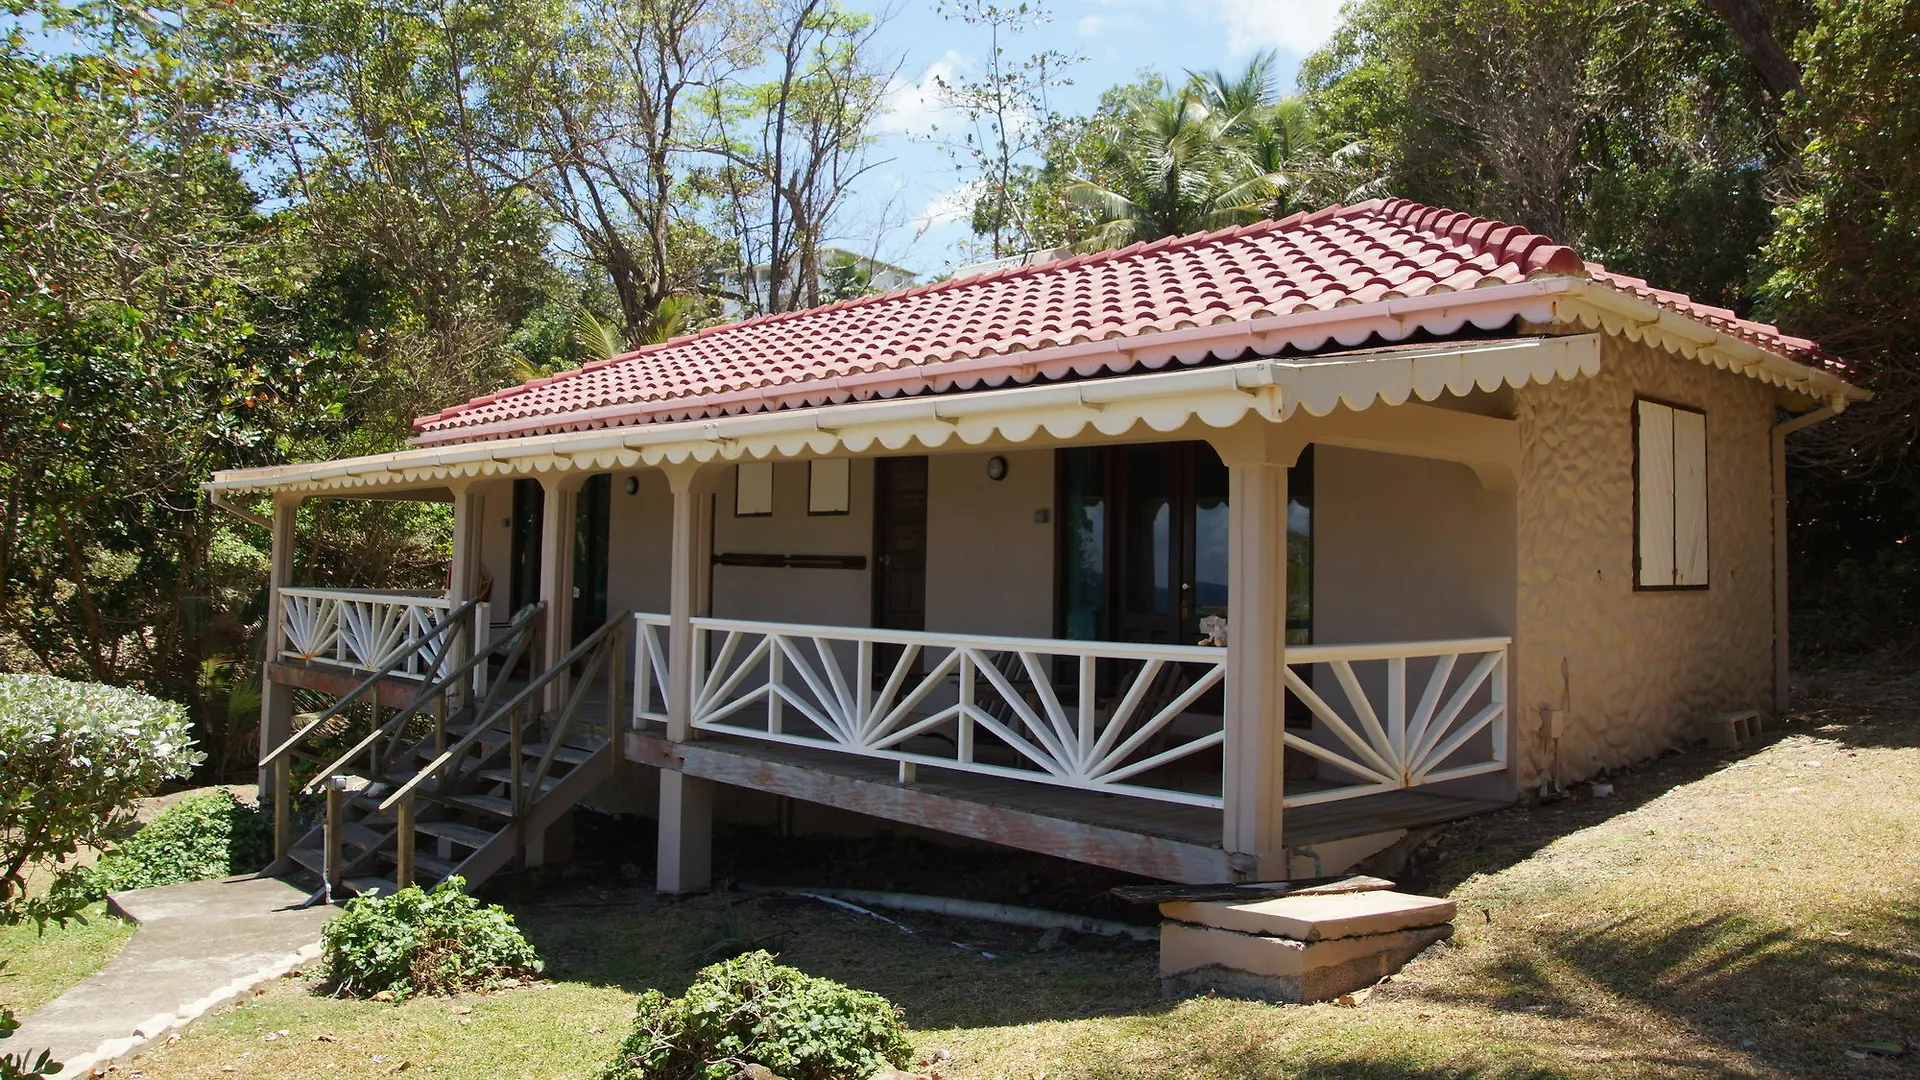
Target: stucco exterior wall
pixel 989 561
pixel 1642 669
pixel 825 597
pixel 1407 549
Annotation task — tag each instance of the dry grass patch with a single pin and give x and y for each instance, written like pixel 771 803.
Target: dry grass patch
pixel 1718 917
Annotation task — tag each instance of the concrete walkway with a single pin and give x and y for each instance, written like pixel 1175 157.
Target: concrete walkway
pixel 198 946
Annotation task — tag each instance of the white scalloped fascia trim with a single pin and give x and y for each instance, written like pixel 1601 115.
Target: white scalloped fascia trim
pixel 1602 307
pixel 1441 314
pixel 1163 402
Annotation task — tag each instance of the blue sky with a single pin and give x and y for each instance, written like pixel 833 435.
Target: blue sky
pixel 915 187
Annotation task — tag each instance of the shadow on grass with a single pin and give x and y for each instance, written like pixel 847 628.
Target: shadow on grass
pixel 1790 998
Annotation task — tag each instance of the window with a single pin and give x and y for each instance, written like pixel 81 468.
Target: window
pixel 1670 492
pixel 828 486
pixel 753 489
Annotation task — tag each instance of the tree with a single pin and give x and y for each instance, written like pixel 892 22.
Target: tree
pixel 791 148
pixel 145 341
pixel 1008 115
pixel 1172 165
pixel 1635 131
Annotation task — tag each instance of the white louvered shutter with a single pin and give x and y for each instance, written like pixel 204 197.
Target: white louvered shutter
pixel 1656 494
pixel 1689 498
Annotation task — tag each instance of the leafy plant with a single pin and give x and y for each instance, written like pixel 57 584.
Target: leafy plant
pixel 750 1010
pixel 208 834
pixel 75 756
pixel 419 942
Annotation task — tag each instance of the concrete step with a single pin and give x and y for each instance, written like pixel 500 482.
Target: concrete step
pixel 1318 918
pixel 465 835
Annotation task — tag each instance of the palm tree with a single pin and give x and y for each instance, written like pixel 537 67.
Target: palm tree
pixel 1174 166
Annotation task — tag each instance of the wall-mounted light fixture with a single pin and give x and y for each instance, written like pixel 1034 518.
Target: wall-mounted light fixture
pixel 997 467
pixel 633 485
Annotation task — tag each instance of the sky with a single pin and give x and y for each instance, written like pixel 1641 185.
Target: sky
pixel 910 208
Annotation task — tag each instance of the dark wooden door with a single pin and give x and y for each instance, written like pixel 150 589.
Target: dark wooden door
pixel 900 543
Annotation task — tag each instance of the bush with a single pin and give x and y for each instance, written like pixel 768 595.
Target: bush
pixel 208 834
pixel 75 756
pixel 418 942
pixel 750 1010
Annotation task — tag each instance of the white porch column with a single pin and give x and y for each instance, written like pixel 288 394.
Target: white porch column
pixel 1256 663
pixel 463 576
pixel 556 576
pixel 685 862
pixel 276 699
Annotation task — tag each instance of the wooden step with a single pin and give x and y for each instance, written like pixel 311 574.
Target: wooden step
pixel 572 755
pixel 312 858
pixel 362 837
pixel 427 867
pixel 505 776
pixel 361 886
pixel 465 835
pixel 485 804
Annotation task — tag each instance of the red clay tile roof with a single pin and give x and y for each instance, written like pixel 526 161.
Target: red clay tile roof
pixel 1336 257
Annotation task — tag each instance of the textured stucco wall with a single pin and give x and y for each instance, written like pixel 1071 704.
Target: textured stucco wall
pixel 1643 668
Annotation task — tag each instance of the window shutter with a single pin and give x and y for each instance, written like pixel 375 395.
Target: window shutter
pixel 753 489
pixel 1656 494
pixel 1689 498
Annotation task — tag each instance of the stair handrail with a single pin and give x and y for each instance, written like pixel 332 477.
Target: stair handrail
pixel 483 724
pixel 459 615
pixel 608 657
pixel 517 633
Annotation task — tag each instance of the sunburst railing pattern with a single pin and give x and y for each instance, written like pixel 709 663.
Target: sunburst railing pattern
pixel 359 630
pixel 1370 736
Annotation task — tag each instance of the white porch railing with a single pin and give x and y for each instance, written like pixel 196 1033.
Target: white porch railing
pixel 359 629
pixel 1456 729
pixel 1105 717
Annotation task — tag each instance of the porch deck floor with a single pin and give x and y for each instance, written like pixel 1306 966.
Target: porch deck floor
pixel 1198 826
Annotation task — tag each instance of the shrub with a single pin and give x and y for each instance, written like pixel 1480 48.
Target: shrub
pixel 750 1010
pixel 418 942
pixel 208 834
pixel 75 756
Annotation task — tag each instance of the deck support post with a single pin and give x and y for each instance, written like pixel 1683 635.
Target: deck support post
pixel 1256 660
pixel 276 699
pixel 556 578
pixel 685 862
pixel 686 833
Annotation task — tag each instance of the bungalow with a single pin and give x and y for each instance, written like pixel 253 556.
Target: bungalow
pixel 1230 556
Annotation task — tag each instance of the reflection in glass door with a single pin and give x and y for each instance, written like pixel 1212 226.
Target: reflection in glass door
pixel 1162 565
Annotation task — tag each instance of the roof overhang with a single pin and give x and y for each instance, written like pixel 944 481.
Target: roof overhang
pixel 1217 396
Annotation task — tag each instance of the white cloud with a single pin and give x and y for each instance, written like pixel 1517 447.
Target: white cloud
pixel 947 208
pixel 1089 26
pixel 1292 26
pixel 914 107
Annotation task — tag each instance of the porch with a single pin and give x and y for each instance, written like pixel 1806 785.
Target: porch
pixel 1193 644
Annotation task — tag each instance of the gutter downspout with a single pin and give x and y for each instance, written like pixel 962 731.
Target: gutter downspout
pixel 219 499
pixel 1780 432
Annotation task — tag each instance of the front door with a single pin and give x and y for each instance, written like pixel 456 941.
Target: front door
pixel 590 542
pixel 1144 535
pixel 900 543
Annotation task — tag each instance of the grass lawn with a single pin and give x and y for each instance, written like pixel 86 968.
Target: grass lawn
pixel 1749 917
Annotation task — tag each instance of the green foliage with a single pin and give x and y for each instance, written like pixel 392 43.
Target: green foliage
pixel 418 942
pixel 208 834
pixel 75 756
pixel 749 1010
